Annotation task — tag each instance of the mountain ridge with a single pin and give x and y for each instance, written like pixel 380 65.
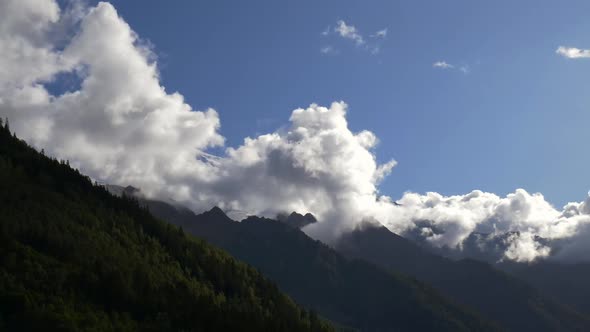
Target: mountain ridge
pixel 497 295
pixel 419 262
pixel 320 278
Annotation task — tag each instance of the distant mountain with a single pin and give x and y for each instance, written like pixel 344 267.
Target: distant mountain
pixel 486 247
pixel 73 257
pixel 297 220
pixel 351 292
pixel 516 305
pixel 567 283
pixel 121 191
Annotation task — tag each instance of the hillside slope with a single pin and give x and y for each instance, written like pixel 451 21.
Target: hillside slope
pixel 73 257
pixel 351 292
pixel 566 282
pixel 513 303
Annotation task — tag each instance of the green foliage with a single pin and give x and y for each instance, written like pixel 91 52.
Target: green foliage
pixel 73 257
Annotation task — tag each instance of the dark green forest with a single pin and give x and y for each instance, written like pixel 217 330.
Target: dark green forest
pixel 76 258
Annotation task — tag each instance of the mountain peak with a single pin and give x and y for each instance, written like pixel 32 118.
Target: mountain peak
pixel 216 210
pixel 217 213
pixel 297 220
pixel 131 191
pixel 121 191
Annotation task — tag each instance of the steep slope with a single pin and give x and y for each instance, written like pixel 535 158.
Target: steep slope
pixel 495 294
pixel 567 283
pixel 351 292
pixel 73 257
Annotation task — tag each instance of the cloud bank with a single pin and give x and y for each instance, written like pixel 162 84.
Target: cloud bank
pixel 527 226
pixel 122 127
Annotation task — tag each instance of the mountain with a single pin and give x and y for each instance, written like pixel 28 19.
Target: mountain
pixel 485 247
pixel 297 220
pixel 565 282
pixel 516 305
pixel 351 292
pixel 120 191
pixel 74 257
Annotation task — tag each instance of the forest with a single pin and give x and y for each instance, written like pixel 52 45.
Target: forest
pixel 74 257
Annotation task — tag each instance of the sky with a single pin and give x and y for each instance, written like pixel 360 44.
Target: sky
pixel 517 118
pixel 440 121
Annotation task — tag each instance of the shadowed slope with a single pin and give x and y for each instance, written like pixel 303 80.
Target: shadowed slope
pixel 351 292
pixel 73 257
pixel 497 295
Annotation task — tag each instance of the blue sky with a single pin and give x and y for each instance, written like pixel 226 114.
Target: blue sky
pixel 517 118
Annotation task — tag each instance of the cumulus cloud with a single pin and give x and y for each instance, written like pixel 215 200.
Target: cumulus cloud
pixel 317 165
pixel 122 127
pixel 349 32
pixel 572 52
pixel 525 225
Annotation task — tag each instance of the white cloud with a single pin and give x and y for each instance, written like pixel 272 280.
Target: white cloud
pixel 349 32
pixel 346 31
pixel 375 50
pixel 442 65
pixel 522 247
pixel 328 50
pixel 26 54
pixel 121 126
pixel 572 52
pixel 380 34
pixel 465 69
pixel 316 165
pixel 450 220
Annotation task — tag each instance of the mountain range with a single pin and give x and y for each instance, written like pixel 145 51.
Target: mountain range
pixel 512 295
pixel 499 296
pixel 352 292
pixel 81 256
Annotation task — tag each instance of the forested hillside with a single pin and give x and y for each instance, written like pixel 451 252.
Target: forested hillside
pixel 73 257
pixel 352 292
